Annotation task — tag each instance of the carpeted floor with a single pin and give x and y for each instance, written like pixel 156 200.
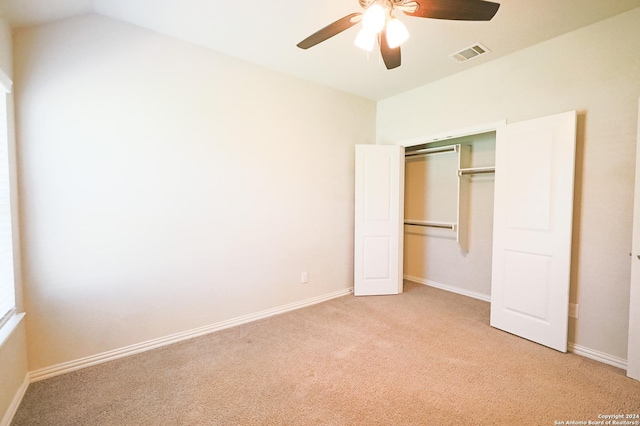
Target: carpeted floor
pixel 426 357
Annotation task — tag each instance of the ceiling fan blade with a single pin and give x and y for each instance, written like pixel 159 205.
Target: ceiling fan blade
pixel 391 57
pixel 330 30
pixel 459 10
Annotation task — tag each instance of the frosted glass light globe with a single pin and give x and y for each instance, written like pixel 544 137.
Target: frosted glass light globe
pixel 396 33
pixel 374 18
pixel 365 39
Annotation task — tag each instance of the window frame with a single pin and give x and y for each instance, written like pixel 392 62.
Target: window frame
pixel 10 318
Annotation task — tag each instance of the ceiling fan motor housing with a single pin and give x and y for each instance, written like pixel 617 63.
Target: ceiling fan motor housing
pixel 404 5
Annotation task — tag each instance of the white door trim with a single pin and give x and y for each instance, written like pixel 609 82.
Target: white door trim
pixel 452 134
pixel 633 351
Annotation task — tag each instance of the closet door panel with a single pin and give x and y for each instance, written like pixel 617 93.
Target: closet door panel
pixel 529 181
pixel 533 212
pixel 379 215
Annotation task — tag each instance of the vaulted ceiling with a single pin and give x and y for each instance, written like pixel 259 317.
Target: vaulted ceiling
pixel 266 33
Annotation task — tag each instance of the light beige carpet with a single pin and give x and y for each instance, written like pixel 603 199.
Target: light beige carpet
pixel 426 357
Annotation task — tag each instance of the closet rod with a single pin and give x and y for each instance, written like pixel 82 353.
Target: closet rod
pixel 451 226
pixel 476 171
pixel 420 152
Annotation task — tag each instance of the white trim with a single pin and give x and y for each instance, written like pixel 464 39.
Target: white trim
pixel 7 329
pixel 452 134
pixel 457 290
pixel 66 367
pixel 633 336
pixel 5 82
pixel 15 402
pixel 597 355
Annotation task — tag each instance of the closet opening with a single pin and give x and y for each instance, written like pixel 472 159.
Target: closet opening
pixel 448 214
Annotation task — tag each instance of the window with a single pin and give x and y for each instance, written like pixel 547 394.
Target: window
pixel 7 284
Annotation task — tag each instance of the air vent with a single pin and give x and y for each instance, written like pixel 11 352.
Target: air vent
pixel 470 52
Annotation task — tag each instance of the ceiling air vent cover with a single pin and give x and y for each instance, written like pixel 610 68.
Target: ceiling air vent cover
pixel 470 52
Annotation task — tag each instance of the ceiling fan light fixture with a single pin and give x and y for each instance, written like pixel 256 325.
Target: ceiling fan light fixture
pixel 365 39
pixel 377 18
pixel 397 33
pixel 374 18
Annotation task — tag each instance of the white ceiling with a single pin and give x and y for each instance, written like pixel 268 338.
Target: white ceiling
pixel 266 33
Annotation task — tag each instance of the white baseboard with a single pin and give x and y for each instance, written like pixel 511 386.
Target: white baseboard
pixel 15 403
pixel 67 367
pixel 457 290
pixel 597 356
pixel 89 361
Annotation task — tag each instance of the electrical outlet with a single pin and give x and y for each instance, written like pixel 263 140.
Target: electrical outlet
pixel 304 278
pixel 574 308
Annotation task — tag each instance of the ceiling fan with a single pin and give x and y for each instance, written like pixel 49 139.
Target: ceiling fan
pixel 379 23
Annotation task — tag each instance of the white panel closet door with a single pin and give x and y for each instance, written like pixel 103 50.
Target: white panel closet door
pixel 633 351
pixel 379 218
pixel 533 215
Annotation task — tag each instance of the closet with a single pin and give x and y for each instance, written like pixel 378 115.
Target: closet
pixel 527 245
pixel 448 214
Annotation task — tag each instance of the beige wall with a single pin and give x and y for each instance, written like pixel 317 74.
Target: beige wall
pixel 167 187
pixel 13 370
pixel 6 60
pixel 593 71
pixel 13 352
